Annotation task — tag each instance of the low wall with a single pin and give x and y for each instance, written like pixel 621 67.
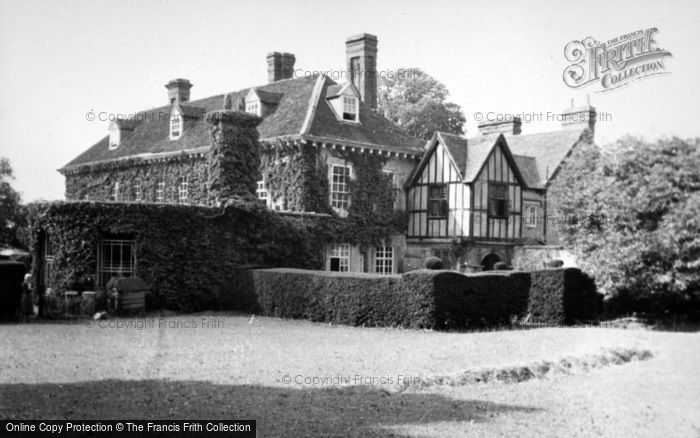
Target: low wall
pixel 537 256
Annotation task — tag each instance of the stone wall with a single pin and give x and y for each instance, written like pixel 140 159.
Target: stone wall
pixel 537 256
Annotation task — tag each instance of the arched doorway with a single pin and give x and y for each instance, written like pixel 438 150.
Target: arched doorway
pixel 490 260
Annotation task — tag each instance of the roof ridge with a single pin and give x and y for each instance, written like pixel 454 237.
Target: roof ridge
pixel 313 104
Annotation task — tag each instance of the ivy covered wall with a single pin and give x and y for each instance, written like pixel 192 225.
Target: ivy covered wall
pixel 233 160
pixel 185 254
pixel 294 174
pixel 96 183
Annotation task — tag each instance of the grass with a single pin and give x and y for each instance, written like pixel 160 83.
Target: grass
pixel 303 379
pixel 537 370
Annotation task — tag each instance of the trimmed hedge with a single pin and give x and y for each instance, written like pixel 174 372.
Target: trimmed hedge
pixel 562 296
pixel 11 278
pixel 434 263
pixel 342 298
pixel 424 298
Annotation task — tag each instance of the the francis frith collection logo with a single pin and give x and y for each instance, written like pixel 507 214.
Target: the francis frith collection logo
pixel 616 62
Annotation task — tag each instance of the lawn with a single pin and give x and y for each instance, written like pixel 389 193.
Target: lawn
pixel 303 379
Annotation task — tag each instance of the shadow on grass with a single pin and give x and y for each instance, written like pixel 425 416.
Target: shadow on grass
pixel 349 411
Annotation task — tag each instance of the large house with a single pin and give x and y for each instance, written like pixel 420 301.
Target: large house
pixel 486 194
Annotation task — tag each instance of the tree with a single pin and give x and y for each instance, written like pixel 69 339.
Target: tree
pixel 10 214
pixel 633 218
pixel 418 103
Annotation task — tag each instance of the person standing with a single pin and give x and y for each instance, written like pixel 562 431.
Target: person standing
pixel 27 306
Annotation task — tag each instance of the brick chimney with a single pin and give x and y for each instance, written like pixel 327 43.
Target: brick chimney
pixel 280 66
pixel 503 126
pixel 178 90
pixel 579 117
pixel 361 54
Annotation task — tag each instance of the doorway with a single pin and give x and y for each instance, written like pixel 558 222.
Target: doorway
pixel 490 260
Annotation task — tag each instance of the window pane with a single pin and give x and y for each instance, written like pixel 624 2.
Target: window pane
pixel 437 201
pixel 340 192
pixel 116 258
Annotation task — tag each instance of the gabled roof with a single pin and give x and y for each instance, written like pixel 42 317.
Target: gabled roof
pixel 338 89
pixel 549 149
pixel 535 158
pixel 456 150
pixel 301 112
pixel 479 150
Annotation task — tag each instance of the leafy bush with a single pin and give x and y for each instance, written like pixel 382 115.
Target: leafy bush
pixel 635 205
pixel 434 263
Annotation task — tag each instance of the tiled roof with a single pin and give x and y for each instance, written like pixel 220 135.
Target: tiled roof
pixel 457 147
pixel 373 127
pixel 296 99
pixel 479 150
pixel 528 170
pixel 192 111
pixel 536 156
pixel 549 149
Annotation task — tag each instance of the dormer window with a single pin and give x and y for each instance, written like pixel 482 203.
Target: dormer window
pixel 345 102
pixel 175 125
pixel 253 107
pixel 350 112
pixel 118 130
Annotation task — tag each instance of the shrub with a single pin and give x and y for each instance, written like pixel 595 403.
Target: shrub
pixel 559 296
pixel 502 266
pixel 423 298
pixel 496 298
pixel 11 277
pixel 342 298
pixel 556 263
pixel 438 295
pixel 434 263
pixel 418 299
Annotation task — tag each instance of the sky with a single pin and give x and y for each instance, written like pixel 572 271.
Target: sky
pixel 60 61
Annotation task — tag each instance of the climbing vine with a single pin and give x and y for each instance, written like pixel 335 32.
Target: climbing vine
pixel 291 173
pixel 299 176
